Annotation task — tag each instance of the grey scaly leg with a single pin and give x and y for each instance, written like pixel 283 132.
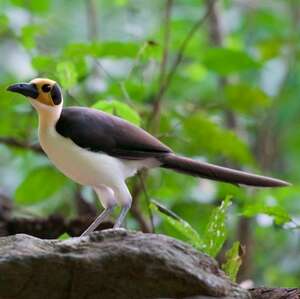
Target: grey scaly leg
pixel 107 199
pixel 123 196
pixel 122 216
pixel 97 221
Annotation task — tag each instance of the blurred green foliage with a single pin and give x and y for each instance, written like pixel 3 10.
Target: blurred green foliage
pixel 235 104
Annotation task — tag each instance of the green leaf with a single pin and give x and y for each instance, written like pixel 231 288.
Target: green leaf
pixel 39 184
pixel 77 50
pixel 33 5
pixel 121 2
pixel 67 74
pixel 221 141
pixel 120 109
pixel 64 236
pixel 178 224
pixel 280 215
pixel 233 261
pixel 226 61
pixel 39 6
pixel 4 23
pixel 216 231
pixel 245 98
pixel 43 64
pixel 114 49
pixel 195 71
pixel 271 47
pixel 28 35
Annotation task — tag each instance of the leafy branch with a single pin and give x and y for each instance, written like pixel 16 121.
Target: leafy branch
pixel 168 78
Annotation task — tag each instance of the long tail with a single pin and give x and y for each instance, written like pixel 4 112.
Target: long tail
pixel 217 173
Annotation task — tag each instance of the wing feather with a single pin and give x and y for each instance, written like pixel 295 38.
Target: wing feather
pixel 98 131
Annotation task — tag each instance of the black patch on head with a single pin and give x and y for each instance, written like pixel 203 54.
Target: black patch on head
pixel 34 86
pixel 46 87
pixel 56 94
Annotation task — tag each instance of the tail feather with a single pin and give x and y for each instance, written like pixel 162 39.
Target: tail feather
pixel 217 173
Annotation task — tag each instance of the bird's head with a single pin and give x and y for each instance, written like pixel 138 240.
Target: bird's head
pixel 44 94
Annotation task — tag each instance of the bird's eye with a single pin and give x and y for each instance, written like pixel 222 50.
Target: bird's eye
pixel 46 88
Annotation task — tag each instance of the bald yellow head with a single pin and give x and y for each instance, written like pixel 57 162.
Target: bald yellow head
pixel 42 90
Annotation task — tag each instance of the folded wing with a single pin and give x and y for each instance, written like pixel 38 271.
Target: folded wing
pixel 98 131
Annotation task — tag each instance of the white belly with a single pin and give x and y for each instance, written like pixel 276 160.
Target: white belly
pixel 86 167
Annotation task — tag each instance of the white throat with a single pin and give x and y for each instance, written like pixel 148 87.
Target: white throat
pixel 48 115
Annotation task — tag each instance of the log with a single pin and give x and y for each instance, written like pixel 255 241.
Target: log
pixel 110 264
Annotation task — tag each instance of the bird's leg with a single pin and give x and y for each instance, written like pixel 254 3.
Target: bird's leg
pixel 124 198
pixel 121 217
pixel 107 199
pixel 97 221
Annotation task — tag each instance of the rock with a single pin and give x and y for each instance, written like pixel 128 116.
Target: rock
pixel 275 293
pixel 111 264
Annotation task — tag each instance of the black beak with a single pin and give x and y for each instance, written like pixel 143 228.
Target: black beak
pixel 26 89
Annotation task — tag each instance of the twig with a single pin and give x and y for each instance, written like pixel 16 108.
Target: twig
pixel 244 232
pixel 93 24
pixel 74 99
pixel 135 208
pixel 168 79
pixel 139 186
pixel 148 201
pixel 137 58
pixel 167 36
pixel 13 142
pixel 163 65
pixel 111 78
pixel 92 19
pixel 122 84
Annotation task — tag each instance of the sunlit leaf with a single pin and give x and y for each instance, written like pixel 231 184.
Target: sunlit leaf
pixel 33 5
pixel 121 2
pixel 39 6
pixel 103 49
pixel 216 231
pixel 114 49
pixel 233 261
pixel 39 184
pixel 67 74
pixel 81 67
pixel 77 50
pixel 196 71
pixel 29 34
pixel 119 109
pixel 4 23
pixel 43 64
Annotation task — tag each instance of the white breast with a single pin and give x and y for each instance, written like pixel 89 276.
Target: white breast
pixel 86 167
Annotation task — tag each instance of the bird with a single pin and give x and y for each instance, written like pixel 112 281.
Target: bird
pixel 101 150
